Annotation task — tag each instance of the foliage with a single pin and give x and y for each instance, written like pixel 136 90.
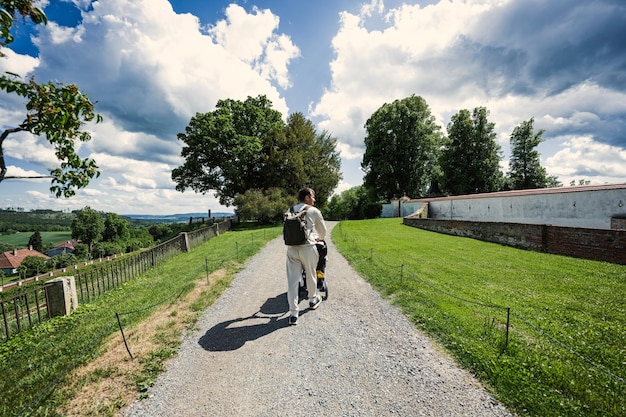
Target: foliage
pixel 101 249
pixel 565 353
pixel 88 226
pixel 33 265
pixel 306 159
pixel 470 157
pixel 159 231
pixel 223 148
pixel 353 204
pixel 8 11
pixel 35 241
pixel 62 261
pixel 54 110
pixel 525 170
pixel 243 146
pixel 401 149
pixel 115 228
pixel 264 206
pixel 44 221
pixel 58 112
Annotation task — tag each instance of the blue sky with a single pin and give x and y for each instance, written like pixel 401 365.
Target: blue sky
pixel 150 65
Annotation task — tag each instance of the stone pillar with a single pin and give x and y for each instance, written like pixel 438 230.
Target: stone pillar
pixel 61 296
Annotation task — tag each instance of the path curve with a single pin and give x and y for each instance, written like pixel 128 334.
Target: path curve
pixel 356 355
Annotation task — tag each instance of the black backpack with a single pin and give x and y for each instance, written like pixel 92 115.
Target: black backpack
pixel 294 227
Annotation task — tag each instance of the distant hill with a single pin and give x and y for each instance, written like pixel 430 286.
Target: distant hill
pixel 174 218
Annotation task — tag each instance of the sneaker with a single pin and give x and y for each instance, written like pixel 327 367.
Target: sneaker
pixel 315 302
pixel 293 320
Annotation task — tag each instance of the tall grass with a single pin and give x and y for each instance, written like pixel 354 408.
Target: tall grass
pixel 566 349
pixel 34 363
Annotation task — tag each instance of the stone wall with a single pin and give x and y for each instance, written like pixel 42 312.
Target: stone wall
pixel 587 243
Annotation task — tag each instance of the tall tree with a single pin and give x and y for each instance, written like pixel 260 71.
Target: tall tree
pixel 115 228
pixel 88 226
pixel 246 146
pixel 525 170
pixel 470 157
pixel 223 148
pixel 35 241
pixel 53 110
pixel 401 149
pixel 310 159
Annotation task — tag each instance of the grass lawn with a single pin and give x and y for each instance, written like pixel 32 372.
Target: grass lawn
pixel 20 240
pixel 566 350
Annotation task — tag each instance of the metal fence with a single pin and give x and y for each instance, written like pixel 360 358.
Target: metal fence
pixel 29 308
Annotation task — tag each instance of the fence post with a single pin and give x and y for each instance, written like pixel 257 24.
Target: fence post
pixel 61 296
pixel 184 242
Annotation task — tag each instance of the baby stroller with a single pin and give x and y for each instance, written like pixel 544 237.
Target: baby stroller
pixel 320 270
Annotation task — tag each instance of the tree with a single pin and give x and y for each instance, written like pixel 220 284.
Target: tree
pixel 353 204
pixel 35 241
pixel 54 110
pixel 470 157
pixel 264 206
pixel 302 157
pixel 244 146
pixel 401 148
pixel 88 226
pixel 223 148
pixel 33 265
pixel 115 228
pixel 525 170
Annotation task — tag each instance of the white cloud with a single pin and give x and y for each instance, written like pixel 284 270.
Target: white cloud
pixel 583 158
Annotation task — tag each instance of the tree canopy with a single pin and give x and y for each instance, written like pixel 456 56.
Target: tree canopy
pixel 525 170
pixel 402 147
pixel 470 157
pixel 243 146
pixel 53 110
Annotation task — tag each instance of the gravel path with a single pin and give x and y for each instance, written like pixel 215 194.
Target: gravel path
pixel 356 355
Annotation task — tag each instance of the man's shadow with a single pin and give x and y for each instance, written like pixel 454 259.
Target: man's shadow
pixel 231 334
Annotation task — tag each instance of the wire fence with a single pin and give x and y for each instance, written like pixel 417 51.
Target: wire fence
pixel 402 271
pixel 31 307
pixel 239 251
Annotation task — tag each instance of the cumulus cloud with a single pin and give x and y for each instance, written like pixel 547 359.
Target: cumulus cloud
pixel 559 63
pixel 149 70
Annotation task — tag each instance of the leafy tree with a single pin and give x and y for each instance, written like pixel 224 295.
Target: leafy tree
pixel 8 10
pixel 470 157
pixel 35 241
pixel 33 265
pixel 401 148
pixel 101 249
pixel 264 206
pixel 244 146
pixel 115 228
pixel 525 170
pixel 353 204
pixel 159 231
pixel 54 110
pixel 223 148
pixel 61 261
pixel 88 226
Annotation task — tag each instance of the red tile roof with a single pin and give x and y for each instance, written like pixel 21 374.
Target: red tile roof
pixel 12 259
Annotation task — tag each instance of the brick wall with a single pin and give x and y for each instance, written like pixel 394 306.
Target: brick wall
pixel 597 244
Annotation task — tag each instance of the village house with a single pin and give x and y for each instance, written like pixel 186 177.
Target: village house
pixel 11 260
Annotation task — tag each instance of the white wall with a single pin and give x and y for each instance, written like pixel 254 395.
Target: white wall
pixel 585 206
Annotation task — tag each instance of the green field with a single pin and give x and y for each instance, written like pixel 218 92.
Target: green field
pixel 20 239
pixel 566 349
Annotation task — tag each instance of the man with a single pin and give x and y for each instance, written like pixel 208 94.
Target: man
pixel 305 256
